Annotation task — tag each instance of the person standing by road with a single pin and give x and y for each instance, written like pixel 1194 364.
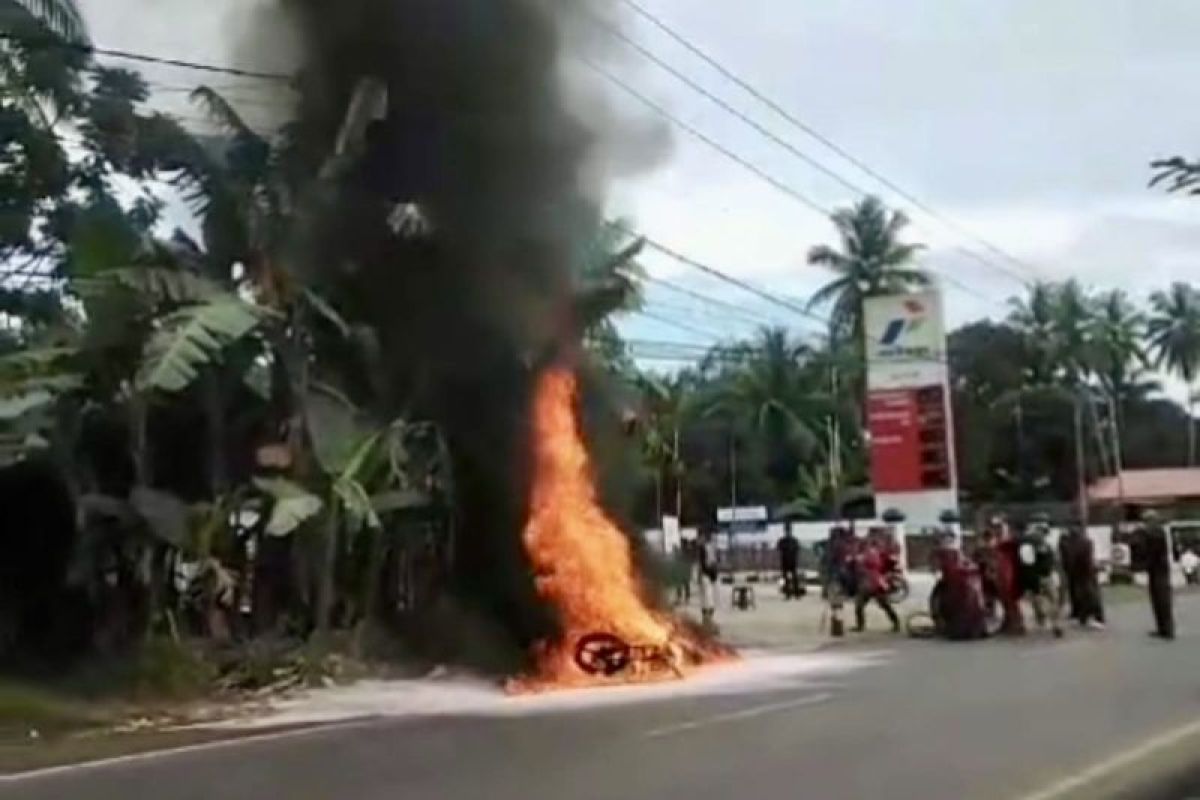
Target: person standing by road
pixel 987 561
pixel 872 586
pixel 685 566
pixel 707 557
pixel 1157 551
pixel 1066 545
pixel 1083 584
pixel 789 564
pixel 1040 578
pixel 1007 562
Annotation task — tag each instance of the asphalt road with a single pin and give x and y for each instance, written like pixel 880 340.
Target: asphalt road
pixel 1032 718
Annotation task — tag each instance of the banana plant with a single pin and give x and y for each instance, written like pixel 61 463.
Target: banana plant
pixel 31 381
pixel 366 473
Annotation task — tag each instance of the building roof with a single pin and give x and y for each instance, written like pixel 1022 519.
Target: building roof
pixel 1142 485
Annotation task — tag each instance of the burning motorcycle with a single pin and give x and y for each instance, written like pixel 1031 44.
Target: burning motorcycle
pixel 607 655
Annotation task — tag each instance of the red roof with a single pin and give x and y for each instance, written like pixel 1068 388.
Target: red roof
pixel 1147 484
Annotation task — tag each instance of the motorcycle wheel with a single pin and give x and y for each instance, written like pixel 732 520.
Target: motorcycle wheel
pixel 898 591
pixel 920 625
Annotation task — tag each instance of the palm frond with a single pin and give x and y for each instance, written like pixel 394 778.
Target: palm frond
pixel 193 338
pixel 60 17
pixel 822 255
pixel 828 292
pixel 221 112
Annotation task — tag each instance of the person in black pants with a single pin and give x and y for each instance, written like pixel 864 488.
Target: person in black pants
pixel 1157 551
pixel 872 586
pixel 789 565
pixel 1078 559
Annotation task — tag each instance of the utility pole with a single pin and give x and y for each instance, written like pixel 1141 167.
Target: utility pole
pixel 678 478
pixel 1118 456
pixel 1080 466
pixel 1020 420
pixel 835 444
pixel 732 469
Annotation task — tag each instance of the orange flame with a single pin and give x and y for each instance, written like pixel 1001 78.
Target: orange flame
pixel 583 563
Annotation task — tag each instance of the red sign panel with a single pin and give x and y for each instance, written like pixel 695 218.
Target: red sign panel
pixel 909 439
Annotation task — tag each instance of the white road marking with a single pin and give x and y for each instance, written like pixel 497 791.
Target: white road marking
pixel 1115 763
pixel 151 755
pixel 734 716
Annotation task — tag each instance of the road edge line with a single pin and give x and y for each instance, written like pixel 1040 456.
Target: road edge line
pixel 1117 761
pixel 218 744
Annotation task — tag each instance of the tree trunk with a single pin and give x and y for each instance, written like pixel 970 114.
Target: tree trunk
pixel 325 579
pixel 1191 422
pixel 139 442
pixel 214 411
pixel 370 594
pixel 658 494
pixel 1080 463
pixel 1106 463
pixel 145 598
pixel 677 465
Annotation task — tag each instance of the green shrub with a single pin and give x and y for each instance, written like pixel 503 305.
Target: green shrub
pixel 164 668
pixel 23 708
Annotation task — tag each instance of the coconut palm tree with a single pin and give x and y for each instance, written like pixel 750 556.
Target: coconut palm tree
pixel 1118 354
pixel 665 402
pixel 775 394
pixel 608 280
pixel 1174 331
pixel 60 17
pixel 871 260
pixel 1072 332
pixel 1034 316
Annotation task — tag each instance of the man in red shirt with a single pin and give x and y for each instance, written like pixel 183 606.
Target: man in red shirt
pixel 872 585
pixel 1006 577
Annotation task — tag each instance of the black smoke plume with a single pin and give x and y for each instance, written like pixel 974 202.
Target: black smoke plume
pixel 500 167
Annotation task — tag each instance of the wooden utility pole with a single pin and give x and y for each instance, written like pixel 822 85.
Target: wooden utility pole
pixel 678 478
pixel 1080 464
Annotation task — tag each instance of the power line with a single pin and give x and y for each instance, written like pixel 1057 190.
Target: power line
pixel 713 306
pixel 787 189
pixel 683 326
pixel 732 281
pixel 92 50
pixel 704 314
pixel 766 100
pixel 722 276
pixel 241 72
pixel 703 137
pixel 722 103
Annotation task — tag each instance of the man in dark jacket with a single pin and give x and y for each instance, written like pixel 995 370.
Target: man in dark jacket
pixel 789 565
pixel 1157 551
pixel 1077 554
